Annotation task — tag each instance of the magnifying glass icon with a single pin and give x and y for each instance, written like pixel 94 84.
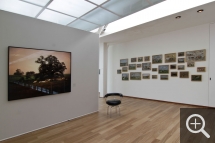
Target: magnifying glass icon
pixel 202 128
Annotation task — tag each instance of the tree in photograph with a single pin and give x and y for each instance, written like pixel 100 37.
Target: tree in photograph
pixel 19 72
pixel 50 67
pixel 30 74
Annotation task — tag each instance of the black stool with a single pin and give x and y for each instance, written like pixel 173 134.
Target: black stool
pixel 113 102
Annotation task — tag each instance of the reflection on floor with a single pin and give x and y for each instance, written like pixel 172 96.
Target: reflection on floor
pixel 141 121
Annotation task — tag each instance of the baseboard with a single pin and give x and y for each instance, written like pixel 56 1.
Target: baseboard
pixel 47 126
pixel 168 101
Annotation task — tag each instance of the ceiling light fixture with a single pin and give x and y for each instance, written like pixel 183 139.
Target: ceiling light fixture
pixel 177 17
pixel 201 10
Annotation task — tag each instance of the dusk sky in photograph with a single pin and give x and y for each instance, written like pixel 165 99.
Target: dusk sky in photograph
pixel 24 59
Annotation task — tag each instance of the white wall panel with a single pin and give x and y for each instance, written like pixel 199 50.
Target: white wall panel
pixel 175 89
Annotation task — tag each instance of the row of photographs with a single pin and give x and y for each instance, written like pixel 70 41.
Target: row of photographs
pixel 190 56
pixel 162 69
pixel 137 76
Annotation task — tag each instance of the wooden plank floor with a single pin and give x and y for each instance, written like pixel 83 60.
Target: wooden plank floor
pixel 141 121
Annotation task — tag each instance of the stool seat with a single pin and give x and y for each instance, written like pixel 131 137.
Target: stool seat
pixel 113 102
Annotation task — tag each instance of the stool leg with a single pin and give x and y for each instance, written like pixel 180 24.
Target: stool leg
pixel 107 110
pixel 119 110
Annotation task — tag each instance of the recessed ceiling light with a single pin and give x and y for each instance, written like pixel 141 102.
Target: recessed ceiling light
pixel 177 17
pixel 201 10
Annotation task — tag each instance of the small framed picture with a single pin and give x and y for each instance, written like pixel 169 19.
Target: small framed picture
pixel 196 77
pixel 184 74
pixel 154 76
pixel 125 76
pixel 190 64
pixel 201 69
pixel 157 59
pixel 119 71
pixel 181 60
pixel 123 62
pixel 147 58
pixel 135 76
pixel 180 54
pixel 139 65
pixel 146 66
pixel 124 69
pixel 133 60
pixel 140 59
pixel 164 77
pixel 173 66
pixel 154 69
pixel 181 67
pixel 163 69
pixel 170 58
pixel 132 66
pixel 146 76
pixel 174 74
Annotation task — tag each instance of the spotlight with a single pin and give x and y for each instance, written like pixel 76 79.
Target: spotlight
pixel 177 17
pixel 201 10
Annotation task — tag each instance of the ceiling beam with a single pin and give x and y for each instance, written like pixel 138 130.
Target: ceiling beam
pixel 43 8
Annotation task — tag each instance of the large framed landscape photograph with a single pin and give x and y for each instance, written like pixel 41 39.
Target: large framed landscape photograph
pixel 37 72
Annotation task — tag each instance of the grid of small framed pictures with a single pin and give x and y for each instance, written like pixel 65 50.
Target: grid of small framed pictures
pixel 149 63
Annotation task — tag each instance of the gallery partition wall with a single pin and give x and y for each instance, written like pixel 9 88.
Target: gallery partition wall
pixel 172 78
pixel 25 115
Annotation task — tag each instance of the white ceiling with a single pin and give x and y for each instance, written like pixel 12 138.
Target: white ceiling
pixel 81 14
pixel 167 24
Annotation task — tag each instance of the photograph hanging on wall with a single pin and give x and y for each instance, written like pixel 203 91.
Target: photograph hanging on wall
pixel 133 60
pixel 201 69
pixel 196 56
pixel 156 59
pixel 154 69
pixel 181 60
pixel 146 66
pixel 190 64
pixel 123 62
pixel 140 59
pixel 170 58
pixel 37 72
pixel 174 74
pixel 146 76
pixel 181 67
pixel 124 69
pixel 173 66
pixel 196 77
pixel 119 71
pixel 180 54
pixel 135 76
pixel 147 58
pixel 184 74
pixel 154 76
pixel 139 65
pixel 132 66
pixel 125 76
pixel 163 69
pixel 164 77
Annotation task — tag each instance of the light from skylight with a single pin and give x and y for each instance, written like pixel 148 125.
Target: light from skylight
pixel 98 2
pixel 55 17
pixel 38 2
pixel 19 7
pixel 72 7
pixel 83 25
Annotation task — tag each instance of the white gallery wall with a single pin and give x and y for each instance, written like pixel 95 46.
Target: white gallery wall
pixel 181 90
pixel 25 115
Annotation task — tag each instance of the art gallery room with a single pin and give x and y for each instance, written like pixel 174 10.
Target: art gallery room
pixel 107 71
